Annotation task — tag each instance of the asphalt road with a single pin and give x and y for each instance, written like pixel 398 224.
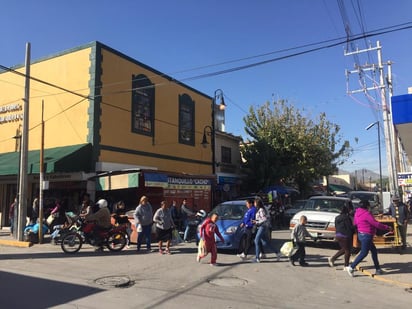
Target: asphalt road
pixel 42 276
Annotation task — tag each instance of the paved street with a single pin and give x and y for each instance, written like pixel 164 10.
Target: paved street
pixel 42 276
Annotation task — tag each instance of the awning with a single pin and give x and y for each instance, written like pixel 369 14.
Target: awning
pixel 117 181
pixel 66 159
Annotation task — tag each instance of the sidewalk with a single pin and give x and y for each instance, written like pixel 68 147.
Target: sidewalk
pixel 6 239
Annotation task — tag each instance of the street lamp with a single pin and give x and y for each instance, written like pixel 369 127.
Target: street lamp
pixel 218 96
pixel 379 147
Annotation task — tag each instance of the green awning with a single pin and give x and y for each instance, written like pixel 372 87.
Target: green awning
pixel 67 159
pixel 117 181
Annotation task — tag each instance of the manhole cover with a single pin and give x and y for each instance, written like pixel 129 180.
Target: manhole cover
pixel 114 281
pixel 228 281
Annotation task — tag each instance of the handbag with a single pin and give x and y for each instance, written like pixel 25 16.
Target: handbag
pixel 288 249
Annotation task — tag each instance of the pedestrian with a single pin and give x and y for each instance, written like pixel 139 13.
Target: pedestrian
pixel 299 234
pixel 344 236
pixel 176 215
pixel 35 210
pixel 187 214
pixel 164 227
pixel 143 216
pixel 366 226
pixel 208 230
pixel 400 212
pixel 11 215
pixel 262 221
pixel 121 218
pixel 247 226
pixel 87 204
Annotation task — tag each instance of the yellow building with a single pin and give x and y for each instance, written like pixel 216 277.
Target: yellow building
pixel 103 111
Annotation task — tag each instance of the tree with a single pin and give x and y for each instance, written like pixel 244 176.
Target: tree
pixel 285 146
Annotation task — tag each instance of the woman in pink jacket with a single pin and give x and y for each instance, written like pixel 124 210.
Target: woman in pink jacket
pixel 366 226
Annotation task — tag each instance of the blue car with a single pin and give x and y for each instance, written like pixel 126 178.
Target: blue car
pixel 230 217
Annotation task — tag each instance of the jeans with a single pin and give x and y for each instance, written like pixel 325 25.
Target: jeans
pixel 261 238
pixel 145 233
pixel 366 246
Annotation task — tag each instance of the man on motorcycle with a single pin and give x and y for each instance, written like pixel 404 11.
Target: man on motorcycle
pixel 103 221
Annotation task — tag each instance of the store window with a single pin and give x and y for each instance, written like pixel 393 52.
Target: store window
pixel 143 98
pixel 186 120
pixel 226 155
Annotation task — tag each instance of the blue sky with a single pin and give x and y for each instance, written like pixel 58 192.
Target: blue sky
pixel 187 39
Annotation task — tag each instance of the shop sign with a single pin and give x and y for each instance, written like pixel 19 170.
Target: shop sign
pixel 8 113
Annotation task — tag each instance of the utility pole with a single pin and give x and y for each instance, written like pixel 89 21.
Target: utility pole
pixel 22 209
pixel 360 71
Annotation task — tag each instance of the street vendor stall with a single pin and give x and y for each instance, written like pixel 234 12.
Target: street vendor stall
pixel 388 239
pixel 383 239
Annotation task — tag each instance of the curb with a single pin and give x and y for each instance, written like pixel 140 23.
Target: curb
pixel 380 278
pixel 15 243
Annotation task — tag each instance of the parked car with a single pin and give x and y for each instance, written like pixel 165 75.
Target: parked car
pixel 321 212
pixel 372 197
pixel 293 209
pixel 230 217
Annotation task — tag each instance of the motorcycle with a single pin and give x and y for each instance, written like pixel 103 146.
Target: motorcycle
pixel 193 224
pixel 114 239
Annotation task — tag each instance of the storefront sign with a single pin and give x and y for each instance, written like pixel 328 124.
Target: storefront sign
pixel 189 183
pixel 8 113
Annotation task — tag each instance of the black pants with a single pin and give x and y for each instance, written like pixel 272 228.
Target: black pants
pixel 300 253
pixel 246 242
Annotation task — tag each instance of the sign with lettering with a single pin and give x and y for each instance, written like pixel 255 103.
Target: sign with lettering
pixel 10 113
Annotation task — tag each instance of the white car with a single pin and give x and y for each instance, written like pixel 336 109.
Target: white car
pixel 321 212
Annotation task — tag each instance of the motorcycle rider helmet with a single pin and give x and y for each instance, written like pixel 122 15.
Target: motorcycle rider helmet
pixel 102 203
pixel 201 213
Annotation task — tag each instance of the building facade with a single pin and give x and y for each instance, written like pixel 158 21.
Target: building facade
pixel 103 111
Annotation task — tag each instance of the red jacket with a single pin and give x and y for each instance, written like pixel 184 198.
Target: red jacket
pixel 208 229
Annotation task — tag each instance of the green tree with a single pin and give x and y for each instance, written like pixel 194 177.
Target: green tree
pixel 285 146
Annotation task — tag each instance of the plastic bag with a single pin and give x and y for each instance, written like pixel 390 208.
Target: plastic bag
pixel 201 249
pixel 288 249
pixel 176 239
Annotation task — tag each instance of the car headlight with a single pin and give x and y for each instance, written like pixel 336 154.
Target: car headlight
pixel 231 230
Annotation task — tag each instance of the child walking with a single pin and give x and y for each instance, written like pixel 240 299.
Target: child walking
pixel 207 232
pixel 299 234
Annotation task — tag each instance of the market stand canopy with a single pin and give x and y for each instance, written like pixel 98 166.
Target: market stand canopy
pixel 66 159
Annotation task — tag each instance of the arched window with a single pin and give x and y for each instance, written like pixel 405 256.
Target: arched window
pixel 143 98
pixel 186 120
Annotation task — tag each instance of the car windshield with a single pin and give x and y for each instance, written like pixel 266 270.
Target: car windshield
pixel 230 211
pixel 325 205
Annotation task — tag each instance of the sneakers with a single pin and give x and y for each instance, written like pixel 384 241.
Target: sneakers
pixel 262 256
pixel 198 258
pixel 330 262
pixel 304 264
pixel 242 256
pixel 350 271
pixel 278 257
pixel 379 272
pixel 255 260
pixel 344 268
pixel 213 264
